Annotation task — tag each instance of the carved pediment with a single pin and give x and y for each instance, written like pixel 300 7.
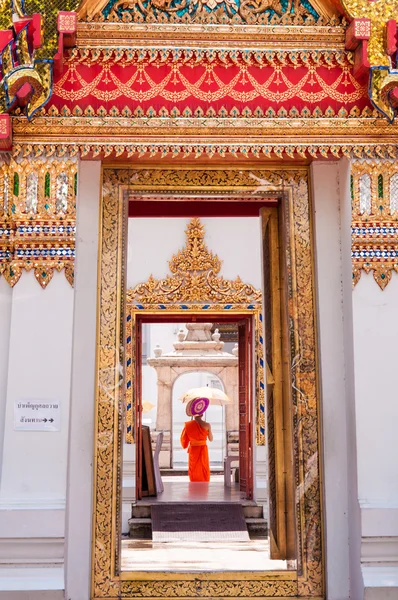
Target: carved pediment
pixel 233 12
pixel 194 278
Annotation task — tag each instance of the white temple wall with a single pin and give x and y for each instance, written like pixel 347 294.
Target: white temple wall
pixel 235 240
pixel 332 222
pixel 375 343
pixel 83 387
pixel 375 331
pixel 33 475
pixel 5 324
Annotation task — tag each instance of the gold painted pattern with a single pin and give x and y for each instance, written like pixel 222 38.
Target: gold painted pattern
pixel 379 12
pixel 374 231
pixel 35 235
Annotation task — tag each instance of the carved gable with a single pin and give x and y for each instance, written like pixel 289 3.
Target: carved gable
pixel 235 12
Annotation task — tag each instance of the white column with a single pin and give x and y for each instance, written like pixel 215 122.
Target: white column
pixel 354 516
pixel 338 435
pixel 81 432
pixel 33 481
pixel 5 326
pixel 375 339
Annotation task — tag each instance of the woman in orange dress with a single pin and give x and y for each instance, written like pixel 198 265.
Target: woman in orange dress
pixel 194 437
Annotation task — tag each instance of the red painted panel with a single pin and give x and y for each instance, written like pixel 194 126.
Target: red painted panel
pixel 245 436
pixel 198 208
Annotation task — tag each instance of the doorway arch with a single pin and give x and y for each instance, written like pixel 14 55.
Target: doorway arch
pixel 215 414
pixel 169 368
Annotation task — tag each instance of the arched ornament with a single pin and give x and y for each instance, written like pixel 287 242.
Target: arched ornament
pixel 195 279
pixel 195 285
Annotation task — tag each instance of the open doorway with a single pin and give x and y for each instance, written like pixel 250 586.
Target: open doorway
pixel 196 299
pixel 182 357
pixel 215 415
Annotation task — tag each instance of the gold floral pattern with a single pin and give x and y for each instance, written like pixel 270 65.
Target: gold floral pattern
pixel 34 233
pixel 375 223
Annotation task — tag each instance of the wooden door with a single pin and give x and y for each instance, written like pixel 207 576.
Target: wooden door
pixel 279 422
pixel 245 412
pixel 138 408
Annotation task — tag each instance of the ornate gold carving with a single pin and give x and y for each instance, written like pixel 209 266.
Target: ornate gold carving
pixel 35 232
pixel 205 35
pixel 383 77
pixel 208 11
pixel 379 12
pixel 375 227
pixel 308 581
pixel 194 278
pixel 210 589
pixel 217 148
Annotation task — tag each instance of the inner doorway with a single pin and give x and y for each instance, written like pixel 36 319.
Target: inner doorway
pixel 191 363
pixel 215 415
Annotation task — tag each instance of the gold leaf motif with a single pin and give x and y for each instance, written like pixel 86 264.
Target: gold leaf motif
pixel 194 278
pixel 374 222
pixel 38 221
pixel 44 276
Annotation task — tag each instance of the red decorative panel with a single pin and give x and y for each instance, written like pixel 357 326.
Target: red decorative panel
pixel 205 87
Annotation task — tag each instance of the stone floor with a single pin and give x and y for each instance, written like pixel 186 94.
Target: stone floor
pixel 179 489
pixel 179 557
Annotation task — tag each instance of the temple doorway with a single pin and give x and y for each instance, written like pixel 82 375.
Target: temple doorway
pixel 217 335
pixel 215 415
pixel 192 355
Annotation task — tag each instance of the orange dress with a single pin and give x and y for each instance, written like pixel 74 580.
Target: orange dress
pixel 194 437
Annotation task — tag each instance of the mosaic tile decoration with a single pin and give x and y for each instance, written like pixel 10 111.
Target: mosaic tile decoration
pixel 37 218
pixel 374 195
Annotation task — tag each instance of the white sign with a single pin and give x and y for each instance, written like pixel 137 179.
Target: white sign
pixel 37 415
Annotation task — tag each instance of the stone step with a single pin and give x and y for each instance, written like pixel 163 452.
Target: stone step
pixel 140 528
pixel 143 511
pixel 253 511
pixel 257 527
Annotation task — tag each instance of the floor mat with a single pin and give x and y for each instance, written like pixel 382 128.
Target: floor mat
pixel 204 522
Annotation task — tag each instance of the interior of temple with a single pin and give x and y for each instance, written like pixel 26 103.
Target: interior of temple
pixel 178 357
pixel 168 509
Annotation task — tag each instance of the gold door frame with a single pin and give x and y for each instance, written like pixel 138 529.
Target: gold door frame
pixel 291 185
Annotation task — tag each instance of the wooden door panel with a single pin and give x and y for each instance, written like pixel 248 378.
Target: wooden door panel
pixel 245 421
pixel 279 440
pixel 138 408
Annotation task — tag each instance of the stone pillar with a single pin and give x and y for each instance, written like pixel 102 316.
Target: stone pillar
pixel 331 194
pixel 163 415
pixel 5 327
pixel 81 431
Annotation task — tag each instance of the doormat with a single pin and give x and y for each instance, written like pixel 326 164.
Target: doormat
pixel 206 522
